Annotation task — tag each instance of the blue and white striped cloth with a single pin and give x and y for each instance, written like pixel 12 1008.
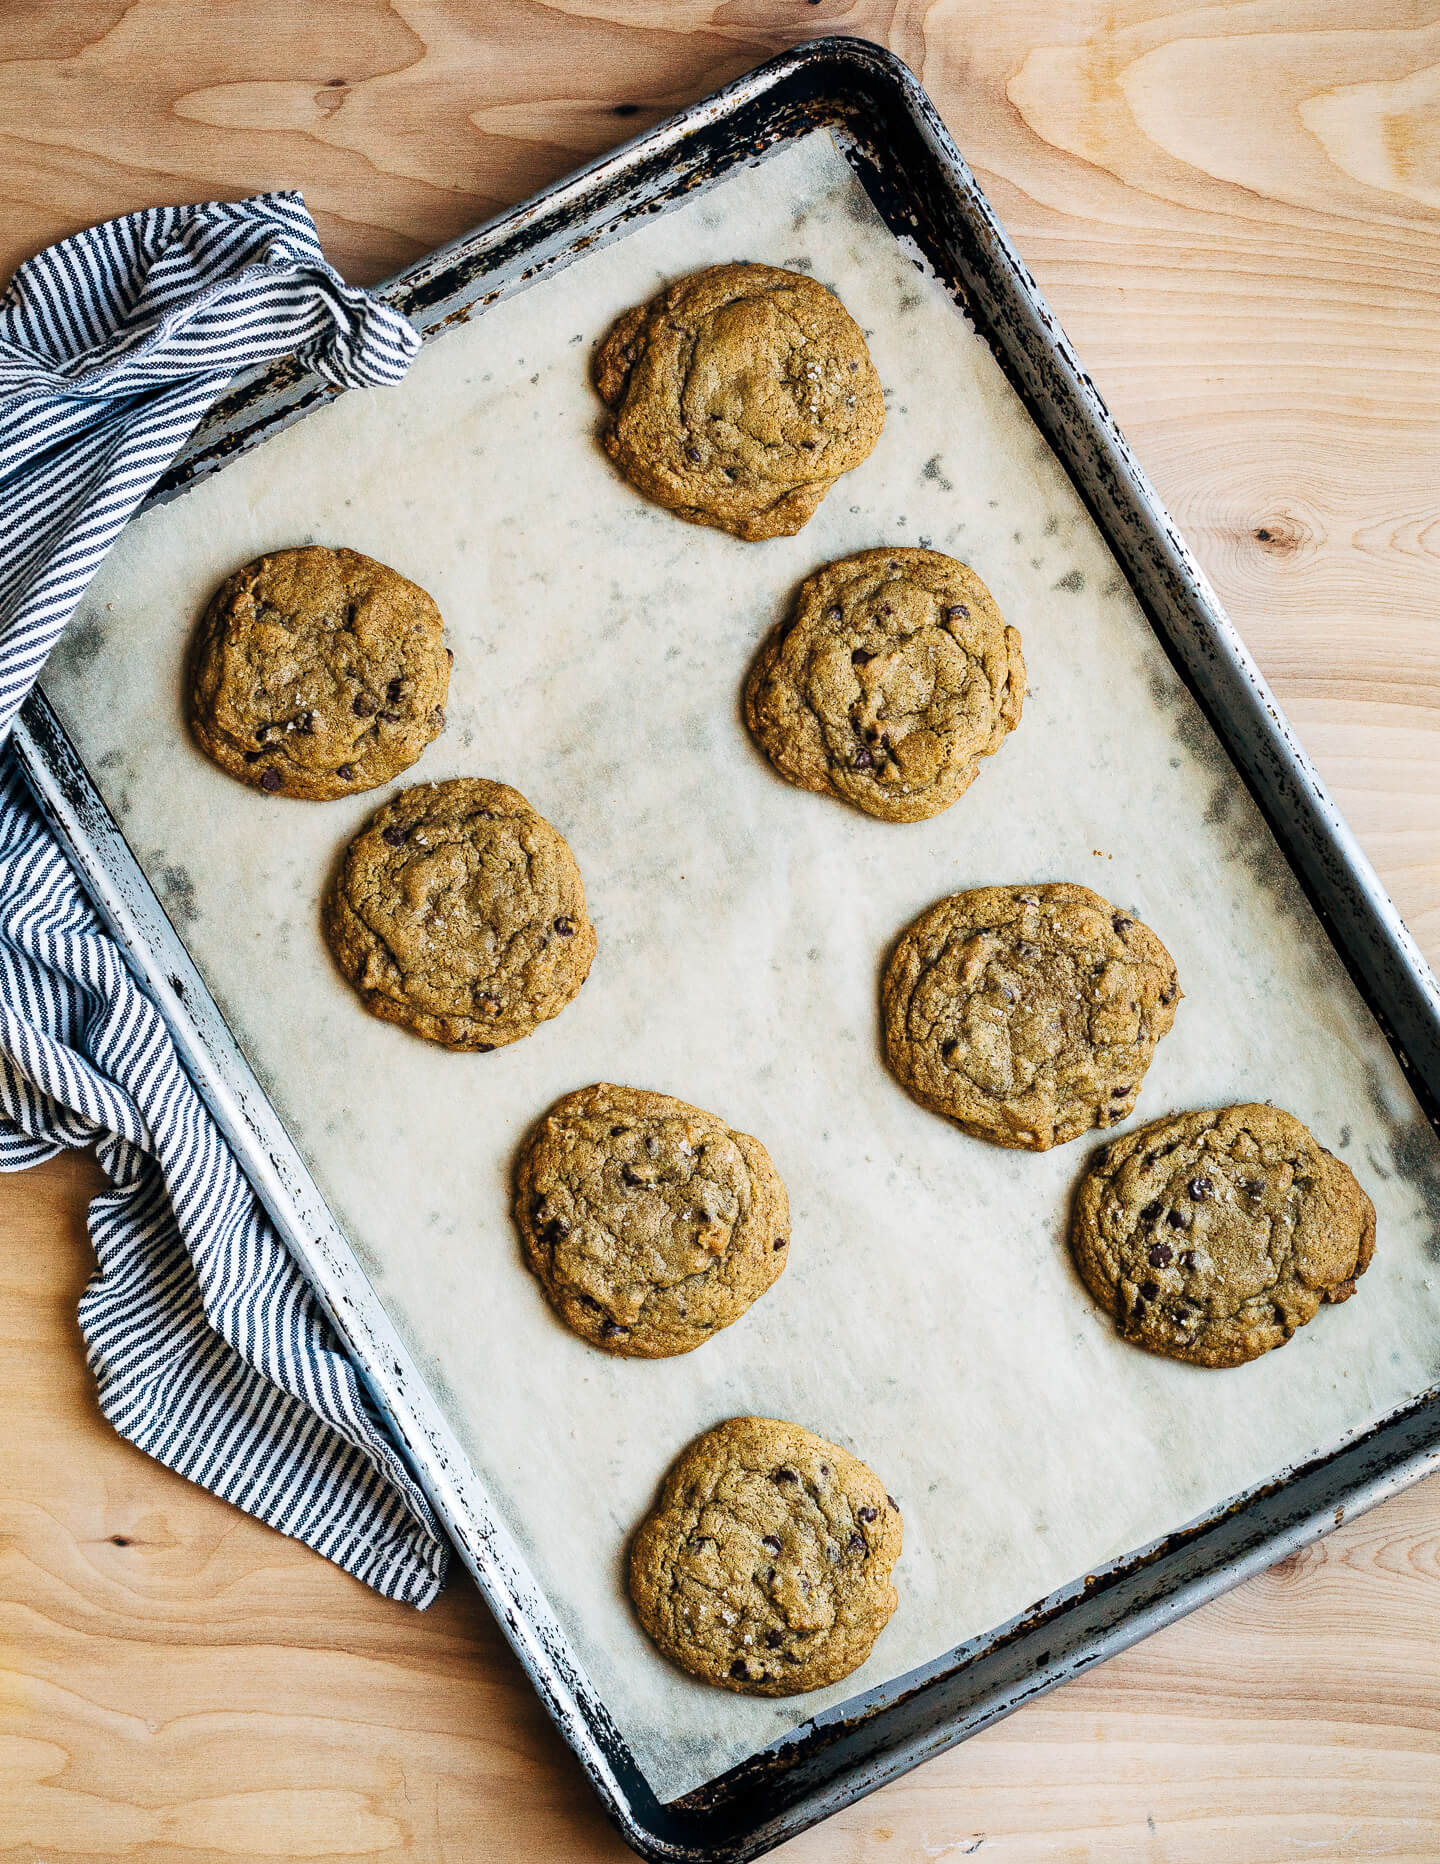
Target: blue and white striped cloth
pixel 208 1348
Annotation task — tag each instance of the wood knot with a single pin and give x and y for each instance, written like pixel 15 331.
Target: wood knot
pixel 1283 535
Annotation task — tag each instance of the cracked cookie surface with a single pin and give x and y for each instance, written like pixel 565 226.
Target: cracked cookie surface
pixel 1026 1014
pixel 737 398
pixel 317 673
pixel 1212 1236
pixel 648 1222
pixel 458 912
pixel 765 1566
pixel 894 674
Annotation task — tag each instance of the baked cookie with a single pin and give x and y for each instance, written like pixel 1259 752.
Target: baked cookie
pixel 648 1223
pixel 737 398
pixel 317 673
pixel 1213 1236
pixel 459 913
pixel 1026 1014
pixel 893 676
pixel 765 1565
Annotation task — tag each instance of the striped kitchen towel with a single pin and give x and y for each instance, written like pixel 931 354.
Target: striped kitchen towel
pixel 209 1350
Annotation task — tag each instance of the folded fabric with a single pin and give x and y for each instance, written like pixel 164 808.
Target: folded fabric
pixel 209 1350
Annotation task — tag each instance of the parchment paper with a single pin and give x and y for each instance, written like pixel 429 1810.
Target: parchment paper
pixel 929 1318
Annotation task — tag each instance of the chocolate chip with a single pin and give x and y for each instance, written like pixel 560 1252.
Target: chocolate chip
pixel 616 1131
pixel 1149 1290
pixel 1150 1213
pixel 1159 1255
pixel 346 773
pixel 893 1503
pixel 1121 923
pixel 738 1668
pixel 862 759
pixel 438 715
pixel 253 757
pixel 948 1048
pixel 307 725
pixel 782 1474
pixel 809 445
pixel 362 706
pixel 1168 996
pixel 1188 1258
pixel 692 453
pixel 853 367
pixel 771 1544
pixel 866 1514
pixel 1119 1093
pixel 1200 1189
pixel 957 612
pixel 450 655
pixel 484 1048
pixel 834 614
pixel 1178 1219
pixel 395 835
pixel 270 779
pixel 490 1004
pixel 393 690
pixel 565 926
pixel 824 1469
pixel 774 1639
pixel 1138 1311
pixel 390 718
pixel 630 1177
pixel 1253 1187
pixel 860 658
pixel 780 1241
pixel 612 1330
pixel 856 1543
pixel 1027 950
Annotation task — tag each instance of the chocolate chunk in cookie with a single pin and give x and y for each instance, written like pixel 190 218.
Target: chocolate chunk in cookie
pixel 649 1224
pixel 737 398
pixel 317 673
pixel 1027 1014
pixel 446 915
pixel 765 1566
pixel 1213 1236
pixel 893 676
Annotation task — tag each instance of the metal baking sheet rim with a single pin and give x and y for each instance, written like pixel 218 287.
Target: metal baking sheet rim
pixel 848 1751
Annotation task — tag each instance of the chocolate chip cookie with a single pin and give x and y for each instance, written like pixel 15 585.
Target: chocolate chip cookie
pixel 649 1224
pixel 894 674
pixel 458 913
pixel 1213 1236
pixel 317 673
pixel 737 397
pixel 1027 1014
pixel 765 1565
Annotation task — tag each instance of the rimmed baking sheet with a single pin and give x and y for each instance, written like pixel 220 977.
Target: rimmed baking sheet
pixel 928 1318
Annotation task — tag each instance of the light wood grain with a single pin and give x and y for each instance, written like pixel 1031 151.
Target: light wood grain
pixel 1234 208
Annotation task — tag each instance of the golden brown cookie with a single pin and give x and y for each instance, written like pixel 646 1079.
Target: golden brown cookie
pixel 649 1223
pixel 1026 1014
pixel 458 913
pixel 893 676
pixel 765 1565
pixel 737 398
pixel 1213 1236
pixel 317 673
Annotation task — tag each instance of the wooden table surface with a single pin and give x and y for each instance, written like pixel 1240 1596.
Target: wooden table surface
pixel 1233 208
